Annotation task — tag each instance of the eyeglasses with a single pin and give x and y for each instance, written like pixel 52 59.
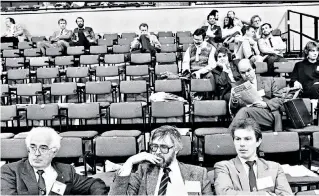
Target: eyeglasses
pixel 163 148
pixel 42 149
pixel 247 71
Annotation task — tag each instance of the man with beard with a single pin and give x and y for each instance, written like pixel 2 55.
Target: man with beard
pixel 39 175
pixel 83 36
pixel 272 47
pixel 247 174
pixel 266 111
pixel 159 172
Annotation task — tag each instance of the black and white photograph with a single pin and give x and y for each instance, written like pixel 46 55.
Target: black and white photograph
pixel 159 98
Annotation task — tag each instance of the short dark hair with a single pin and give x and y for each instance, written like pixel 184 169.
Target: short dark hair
pixel 11 20
pixel 310 45
pixel 143 25
pixel 246 28
pixel 253 18
pixel 212 13
pixel 265 25
pixel 201 32
pixel 246 124
pixel 170 131
pixel 223 50
pixel 79 18
pixel 62 19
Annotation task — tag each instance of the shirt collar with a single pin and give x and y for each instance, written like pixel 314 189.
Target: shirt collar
pixel 174 165
pixel 203 45
pixel 46 170
pixel 81 28
pixel 243 161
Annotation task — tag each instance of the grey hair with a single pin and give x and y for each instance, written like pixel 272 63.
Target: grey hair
pixel 170 131
pixel 54 136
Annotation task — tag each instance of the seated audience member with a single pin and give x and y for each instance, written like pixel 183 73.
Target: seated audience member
pixel 145 42
pixel 306 73
pixel 246 47
pixel 199 57
pixel 38 175
pixel 83 36
pixel 213 31
pixel 255 21
pixel 14 33
pixel 230 30
pixel 225 73
pixel 59 39
pixel 231 14
pixel 265 112
pixel 216 14
pixel 247 174
pixel 271 47
pixel 159 172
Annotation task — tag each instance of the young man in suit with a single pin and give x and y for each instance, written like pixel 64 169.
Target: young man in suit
pixel 59 39
pixel 38 175
pixel 247 174
pixel 83 36
pixel 159 172
pixel 266 111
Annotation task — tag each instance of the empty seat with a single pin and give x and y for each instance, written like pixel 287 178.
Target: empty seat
pixel 166 40
pixel 165 34
pixel 128 35
pixel 114 59
pixel 168 48
pixel 284 67
pixel 112 36
pixel 136 90
pixel 64 60
pixel 13 149
pixel 11 53
pixel 18 74
pixel 125 41
pixel 14 62
pixel 75 50
pixel 117 49
pixel 25 45
pixel 185 40
pixel 98 49
pixel 167 112
pixel 32 52
pixel 7 46
pixel 39 61
pixel 100 91
pixel 89 59
pixel 105 42
pixel 49 113
pixel 38 38
pixel 141 58
pixel 180 34
pixel 53 52
pixel 165 58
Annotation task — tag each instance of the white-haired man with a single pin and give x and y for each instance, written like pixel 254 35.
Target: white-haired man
pixel 38 175
pixel 159 172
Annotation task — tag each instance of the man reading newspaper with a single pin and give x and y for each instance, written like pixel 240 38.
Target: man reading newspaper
pixel 254 97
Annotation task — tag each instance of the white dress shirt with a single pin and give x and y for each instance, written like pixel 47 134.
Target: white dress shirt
pixel 246 167
pixel 49 176
pixel 226 68
pixel 211 60
pixel 176 186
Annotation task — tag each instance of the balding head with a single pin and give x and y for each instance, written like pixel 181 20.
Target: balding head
pixel 246 70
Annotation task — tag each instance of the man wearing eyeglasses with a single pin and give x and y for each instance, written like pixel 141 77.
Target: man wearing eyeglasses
pixel 38 175
pixel 266 111
pixel 159 172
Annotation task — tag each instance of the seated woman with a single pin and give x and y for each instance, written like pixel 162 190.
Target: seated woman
pixel 230 29
pixel 225 74
pixel 306 73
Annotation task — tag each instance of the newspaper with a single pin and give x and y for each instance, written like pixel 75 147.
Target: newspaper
pixel 248 94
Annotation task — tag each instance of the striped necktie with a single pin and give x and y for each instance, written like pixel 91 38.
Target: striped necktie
pixel 164 181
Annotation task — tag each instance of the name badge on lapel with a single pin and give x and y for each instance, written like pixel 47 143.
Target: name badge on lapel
pixel 58 188
pixel 265 182
pixel 193 187
pixel 318 68
pixel 261 92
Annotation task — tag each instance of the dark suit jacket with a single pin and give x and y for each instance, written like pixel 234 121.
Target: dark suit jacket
pixel 19 178
pixel 218 34
pixel 144 180
pixel 231 178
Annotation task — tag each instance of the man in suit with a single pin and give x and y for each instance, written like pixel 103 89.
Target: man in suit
pixel 271 47
pixel 38 175
pixel 59 39
pixel 145 42
pixel 159 172
pixel 247 174
pixel 14 32
pixel 83 36
pixel 265 112
pixel 213 31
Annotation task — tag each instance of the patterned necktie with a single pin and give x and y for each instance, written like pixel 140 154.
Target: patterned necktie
pixel 41 183
pixel 164 181
pixel 61 32
pixel 251 176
